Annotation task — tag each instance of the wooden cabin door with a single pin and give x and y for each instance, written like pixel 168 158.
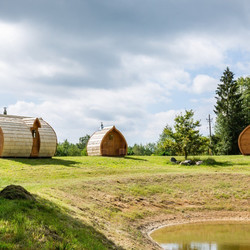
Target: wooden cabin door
pixel 111 144
pixel 36 138
pixel 36 142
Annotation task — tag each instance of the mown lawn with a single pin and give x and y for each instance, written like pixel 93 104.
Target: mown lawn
pixel 102 202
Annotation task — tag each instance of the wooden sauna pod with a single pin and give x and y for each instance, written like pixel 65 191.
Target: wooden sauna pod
pixel 244 141
pixel 107 142
pixel 26 137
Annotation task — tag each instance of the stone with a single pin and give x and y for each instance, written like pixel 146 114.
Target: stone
pixel 16 192
pixel 199 163
pixel 186 162
pixel 173 160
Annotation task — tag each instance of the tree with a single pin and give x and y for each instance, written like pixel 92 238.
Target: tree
pixel 83 141
pixel 139 149
pixel 230 117
pixel 67 149
pixel 185 139
pixel 244 89
pixel 82 145
pixel 130 150
pixel 165 144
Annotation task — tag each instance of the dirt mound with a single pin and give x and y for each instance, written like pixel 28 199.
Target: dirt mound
pixel 16 192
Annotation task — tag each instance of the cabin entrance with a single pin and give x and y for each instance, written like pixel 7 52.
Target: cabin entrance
pixel 109 145
pixel 113 145
pixel 36 138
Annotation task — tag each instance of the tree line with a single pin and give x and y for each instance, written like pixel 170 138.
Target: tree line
pixel 70 149
pixel 232 112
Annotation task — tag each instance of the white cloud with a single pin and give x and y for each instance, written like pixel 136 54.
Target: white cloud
pixel 156 123
pixel 204 83
pixel 75 116
pixel 196 50
pixel 154 69
pixel 189 50
pixel 13 37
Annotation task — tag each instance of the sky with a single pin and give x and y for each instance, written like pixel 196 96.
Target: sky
pixel 135 64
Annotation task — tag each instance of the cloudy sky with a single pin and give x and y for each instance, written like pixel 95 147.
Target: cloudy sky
pixel 131 63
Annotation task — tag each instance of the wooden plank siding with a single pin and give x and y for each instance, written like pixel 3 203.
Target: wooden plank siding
pixel 17 140
pixel 1 141
pixel 48 140
pixel 244 141
pixel 107 142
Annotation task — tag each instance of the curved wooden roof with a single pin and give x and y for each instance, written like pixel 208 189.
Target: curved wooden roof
pixel 97 138
pixel 244 141
pixel 16 136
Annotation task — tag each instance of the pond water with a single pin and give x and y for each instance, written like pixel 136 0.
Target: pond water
pixel 204 236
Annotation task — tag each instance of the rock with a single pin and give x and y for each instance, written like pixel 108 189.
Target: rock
pixel 16 192
pixel 186 162
pixel 173 160
pixel 199 163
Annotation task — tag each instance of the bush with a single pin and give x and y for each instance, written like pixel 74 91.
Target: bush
pixel 67 149
pixel 209 161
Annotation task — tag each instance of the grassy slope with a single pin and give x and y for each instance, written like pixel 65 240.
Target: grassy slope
pixel 82 201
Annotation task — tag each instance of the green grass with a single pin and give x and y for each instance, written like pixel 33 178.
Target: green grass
pixel 36 225
pixel 101 202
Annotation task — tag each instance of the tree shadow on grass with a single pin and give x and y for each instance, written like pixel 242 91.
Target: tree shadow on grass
pixel 45 161
pixel 220 164
pixel 42 224
pixel 211 162
pixel 243 163
pixel 134 158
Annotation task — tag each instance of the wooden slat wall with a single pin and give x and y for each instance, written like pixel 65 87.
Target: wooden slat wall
pixel 99 143
pixel 244 141
pixel 48 140
pixel 94 143
pixel 1 141
pixel 17 137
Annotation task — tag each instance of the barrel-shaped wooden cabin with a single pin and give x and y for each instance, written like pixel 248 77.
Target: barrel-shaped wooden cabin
pixel 244 141
pixel 108 141
pixel 26 137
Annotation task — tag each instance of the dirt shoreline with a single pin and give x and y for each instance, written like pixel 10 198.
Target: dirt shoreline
pixel 192 217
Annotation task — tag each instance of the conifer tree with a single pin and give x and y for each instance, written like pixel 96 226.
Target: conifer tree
pixel 244 89
pixel 230 117
pixel 185 139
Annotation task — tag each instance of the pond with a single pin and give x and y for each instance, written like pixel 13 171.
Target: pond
pixel 224 235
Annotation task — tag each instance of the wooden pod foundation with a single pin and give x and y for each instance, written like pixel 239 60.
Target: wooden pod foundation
pixel 26 137
pixel 244 141
pixel 108 141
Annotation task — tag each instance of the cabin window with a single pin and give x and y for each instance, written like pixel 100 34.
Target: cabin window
pixel 33 133
pixel 111 136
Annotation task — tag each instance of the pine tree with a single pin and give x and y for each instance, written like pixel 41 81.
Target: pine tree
pixel 185 139
pixel 244 89
pixel 230 119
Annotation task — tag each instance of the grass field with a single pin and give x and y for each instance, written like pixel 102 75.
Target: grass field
pixel 104 202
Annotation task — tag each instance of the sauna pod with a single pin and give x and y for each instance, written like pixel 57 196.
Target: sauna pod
pixel 26 137
pixel 107 141
pixel 244 141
